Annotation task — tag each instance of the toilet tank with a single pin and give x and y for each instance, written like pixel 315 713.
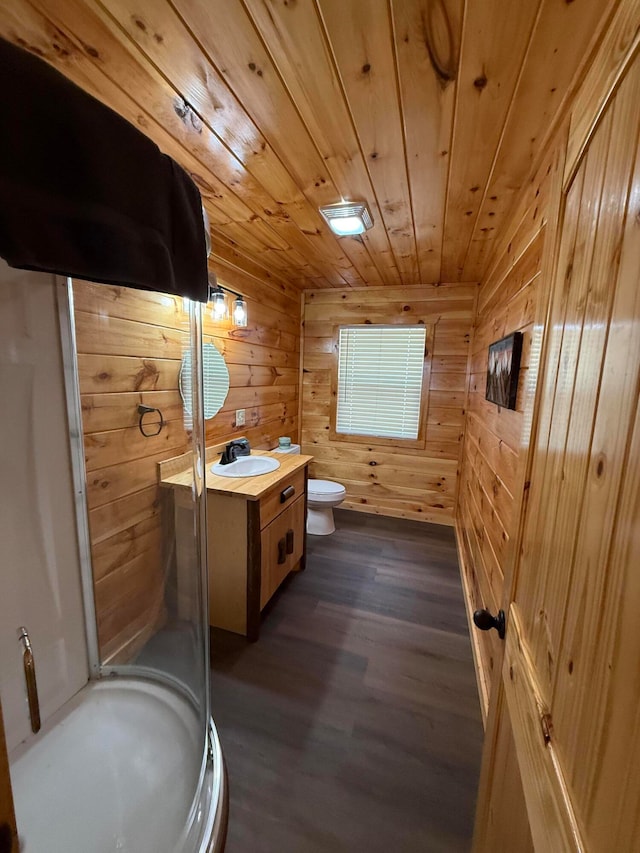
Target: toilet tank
pixel 293 448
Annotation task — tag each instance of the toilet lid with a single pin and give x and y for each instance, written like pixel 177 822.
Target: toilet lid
pixel 325 487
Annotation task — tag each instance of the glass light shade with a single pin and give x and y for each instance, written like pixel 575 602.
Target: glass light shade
pixel 218 305
pixel 239 312
pixel 347 225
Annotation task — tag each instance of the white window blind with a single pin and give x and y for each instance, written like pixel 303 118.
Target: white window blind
pixel 380 380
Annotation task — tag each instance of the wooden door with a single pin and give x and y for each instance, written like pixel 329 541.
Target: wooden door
pixel 568 704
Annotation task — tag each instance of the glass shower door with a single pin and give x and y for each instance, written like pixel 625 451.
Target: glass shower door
pixel 127 758
pixel 145 537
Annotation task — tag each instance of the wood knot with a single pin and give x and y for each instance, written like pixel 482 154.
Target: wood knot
pixel 440 41
pixel 600 467
pixel 366 68
pixel 181 108
pixel 480 82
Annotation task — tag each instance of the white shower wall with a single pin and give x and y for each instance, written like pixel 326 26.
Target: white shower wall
pixel 40 585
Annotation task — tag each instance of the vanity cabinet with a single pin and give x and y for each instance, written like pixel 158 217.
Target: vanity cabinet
pixel 256 536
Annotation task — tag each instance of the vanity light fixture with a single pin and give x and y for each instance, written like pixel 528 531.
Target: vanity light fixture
pixel 219 309
pixel 348 218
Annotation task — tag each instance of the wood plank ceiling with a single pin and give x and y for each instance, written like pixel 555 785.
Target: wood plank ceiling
pixel 433 111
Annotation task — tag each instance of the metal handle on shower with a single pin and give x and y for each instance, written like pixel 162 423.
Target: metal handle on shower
pixel 29 665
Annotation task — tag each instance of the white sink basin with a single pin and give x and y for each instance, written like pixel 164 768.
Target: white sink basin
pixel 247 466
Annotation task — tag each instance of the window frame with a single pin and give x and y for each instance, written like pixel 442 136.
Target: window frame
pixel 418 443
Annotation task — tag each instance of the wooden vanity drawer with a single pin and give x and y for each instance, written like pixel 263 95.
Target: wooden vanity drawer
pixel 285 493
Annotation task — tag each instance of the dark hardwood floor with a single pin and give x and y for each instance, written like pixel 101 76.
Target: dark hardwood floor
pixel 353 723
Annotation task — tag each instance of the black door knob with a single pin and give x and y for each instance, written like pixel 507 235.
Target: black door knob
pixel 485 621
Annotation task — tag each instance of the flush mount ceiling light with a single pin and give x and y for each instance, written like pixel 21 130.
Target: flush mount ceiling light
pixel 347 218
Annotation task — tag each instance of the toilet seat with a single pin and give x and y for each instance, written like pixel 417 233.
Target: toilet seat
pixel 325 490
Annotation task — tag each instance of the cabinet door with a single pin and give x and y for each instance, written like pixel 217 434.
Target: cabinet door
pixel 282 548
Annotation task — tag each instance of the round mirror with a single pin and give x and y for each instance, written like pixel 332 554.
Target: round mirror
pixel 215 376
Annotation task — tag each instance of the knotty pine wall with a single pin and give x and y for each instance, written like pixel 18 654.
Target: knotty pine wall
pixel 406 483
pixel 130 345
pixel 513 297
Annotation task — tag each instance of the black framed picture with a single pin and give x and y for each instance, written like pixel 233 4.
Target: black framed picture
pixel 503 367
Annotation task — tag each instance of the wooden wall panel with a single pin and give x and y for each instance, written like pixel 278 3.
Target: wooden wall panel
pixel 512 298
pixel 130 344
pixel 407 483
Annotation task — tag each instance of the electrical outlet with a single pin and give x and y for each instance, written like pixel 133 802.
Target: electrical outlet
pixel 239 417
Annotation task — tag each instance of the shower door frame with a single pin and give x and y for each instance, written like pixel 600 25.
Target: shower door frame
pixel 64 291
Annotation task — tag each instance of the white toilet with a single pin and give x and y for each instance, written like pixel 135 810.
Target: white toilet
pixel 322 496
